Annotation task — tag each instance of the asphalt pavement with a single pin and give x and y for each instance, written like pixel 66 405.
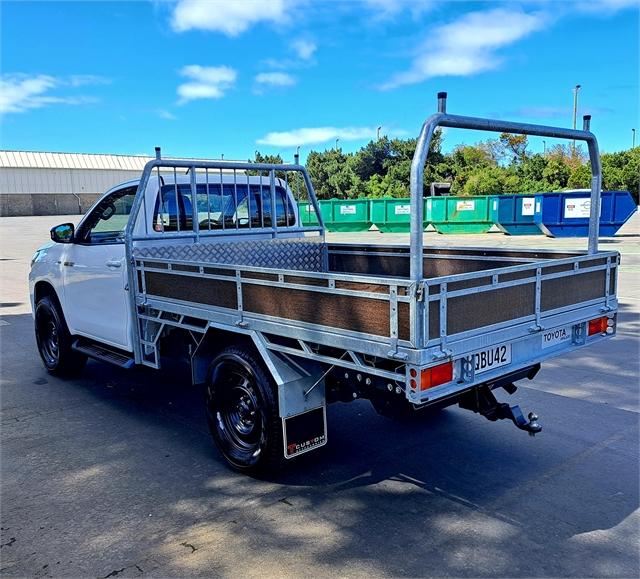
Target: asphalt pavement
pixel 113 474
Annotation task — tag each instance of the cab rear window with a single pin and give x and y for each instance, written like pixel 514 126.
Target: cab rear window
pixel 221 206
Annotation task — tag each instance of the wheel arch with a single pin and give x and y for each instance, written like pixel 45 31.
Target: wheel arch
pixel 214 341
pixel 44 288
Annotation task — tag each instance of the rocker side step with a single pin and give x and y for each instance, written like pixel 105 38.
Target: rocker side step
pixel 103 353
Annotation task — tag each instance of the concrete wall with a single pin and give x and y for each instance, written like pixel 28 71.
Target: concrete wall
pixel 37 191
pixel 45 204
pixel 33 181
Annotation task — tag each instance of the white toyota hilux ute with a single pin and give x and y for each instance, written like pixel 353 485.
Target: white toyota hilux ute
pixel 213 262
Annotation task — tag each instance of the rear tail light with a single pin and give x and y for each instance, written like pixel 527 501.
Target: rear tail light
pixel 598 326
pixel 436 375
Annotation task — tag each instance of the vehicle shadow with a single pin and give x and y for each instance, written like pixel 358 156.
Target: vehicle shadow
pixel 453 495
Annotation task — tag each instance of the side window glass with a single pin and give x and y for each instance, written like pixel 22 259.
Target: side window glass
pixel 108 220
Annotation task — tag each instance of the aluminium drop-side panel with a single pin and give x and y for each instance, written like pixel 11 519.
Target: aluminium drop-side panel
pixel 357 314
pixel 211 292
pixel 573 289
pixel 477 310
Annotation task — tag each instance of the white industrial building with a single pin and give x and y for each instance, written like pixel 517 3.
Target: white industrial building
pixel 42 183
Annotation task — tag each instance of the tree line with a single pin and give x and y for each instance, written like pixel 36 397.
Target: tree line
pixel 505 165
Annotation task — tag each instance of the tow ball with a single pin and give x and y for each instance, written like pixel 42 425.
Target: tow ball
pixel 482 401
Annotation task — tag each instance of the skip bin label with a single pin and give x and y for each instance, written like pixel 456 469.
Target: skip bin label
pixel 465 205
pixel 528 206
pixel 347 210
pixel 402 209
pixel 576 208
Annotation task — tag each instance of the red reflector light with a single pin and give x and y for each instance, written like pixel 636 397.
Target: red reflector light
pixel 435 376
pixel 598 326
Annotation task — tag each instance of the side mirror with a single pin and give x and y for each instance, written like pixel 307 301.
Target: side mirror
pixel 62 233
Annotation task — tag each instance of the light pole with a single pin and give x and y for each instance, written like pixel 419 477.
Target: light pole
pixel 633 138
pixel 544 147
pixel 575 111
pixel 337 143
pixel 378 133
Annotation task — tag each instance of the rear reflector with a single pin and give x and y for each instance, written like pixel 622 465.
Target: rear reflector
pixel 598 326
pixel 436 375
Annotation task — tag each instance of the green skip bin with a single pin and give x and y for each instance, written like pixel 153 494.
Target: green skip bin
pixel 346 214
pixel 460 214
pixel 392 215
pixel 307 213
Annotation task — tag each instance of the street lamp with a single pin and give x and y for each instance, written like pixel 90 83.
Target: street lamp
pixel 378 133
pixel 633 138
pixel 575 111
pixel 337 139
pixel 544 147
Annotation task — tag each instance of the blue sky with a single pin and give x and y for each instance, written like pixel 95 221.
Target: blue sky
pixel 208 77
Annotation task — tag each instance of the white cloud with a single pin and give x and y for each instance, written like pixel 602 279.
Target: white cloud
pixel 86 79
pixel 304 48
pixel 273 80
pixel 230 17
pixel 20 92
pixel 468 45
pixel 167 115
pixel 313 136
pixel 387 9
pixel 205 82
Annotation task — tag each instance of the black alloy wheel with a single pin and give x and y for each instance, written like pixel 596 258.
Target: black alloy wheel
pixel 242 411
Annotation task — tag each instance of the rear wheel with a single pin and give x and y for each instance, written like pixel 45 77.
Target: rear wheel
pixel 242 412
pixel 54 341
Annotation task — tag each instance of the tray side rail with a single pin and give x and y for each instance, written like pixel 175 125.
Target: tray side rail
pixel 362 314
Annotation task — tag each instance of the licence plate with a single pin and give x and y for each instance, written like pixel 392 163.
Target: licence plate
pixel 491 358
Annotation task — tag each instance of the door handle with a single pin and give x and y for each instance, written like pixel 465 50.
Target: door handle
pixel 114 263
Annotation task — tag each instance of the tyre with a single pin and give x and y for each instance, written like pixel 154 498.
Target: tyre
pixel 242 412
pixel 54 341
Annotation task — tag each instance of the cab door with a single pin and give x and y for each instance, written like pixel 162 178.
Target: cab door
pixel 94 273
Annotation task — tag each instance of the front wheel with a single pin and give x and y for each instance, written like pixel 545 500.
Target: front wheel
pixel 242 412
pixel 54 341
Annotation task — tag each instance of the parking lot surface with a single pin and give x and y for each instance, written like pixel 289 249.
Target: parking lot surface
pixel 113 474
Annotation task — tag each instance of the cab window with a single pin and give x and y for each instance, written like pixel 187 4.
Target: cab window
pixel 221 206
pixel 107 221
